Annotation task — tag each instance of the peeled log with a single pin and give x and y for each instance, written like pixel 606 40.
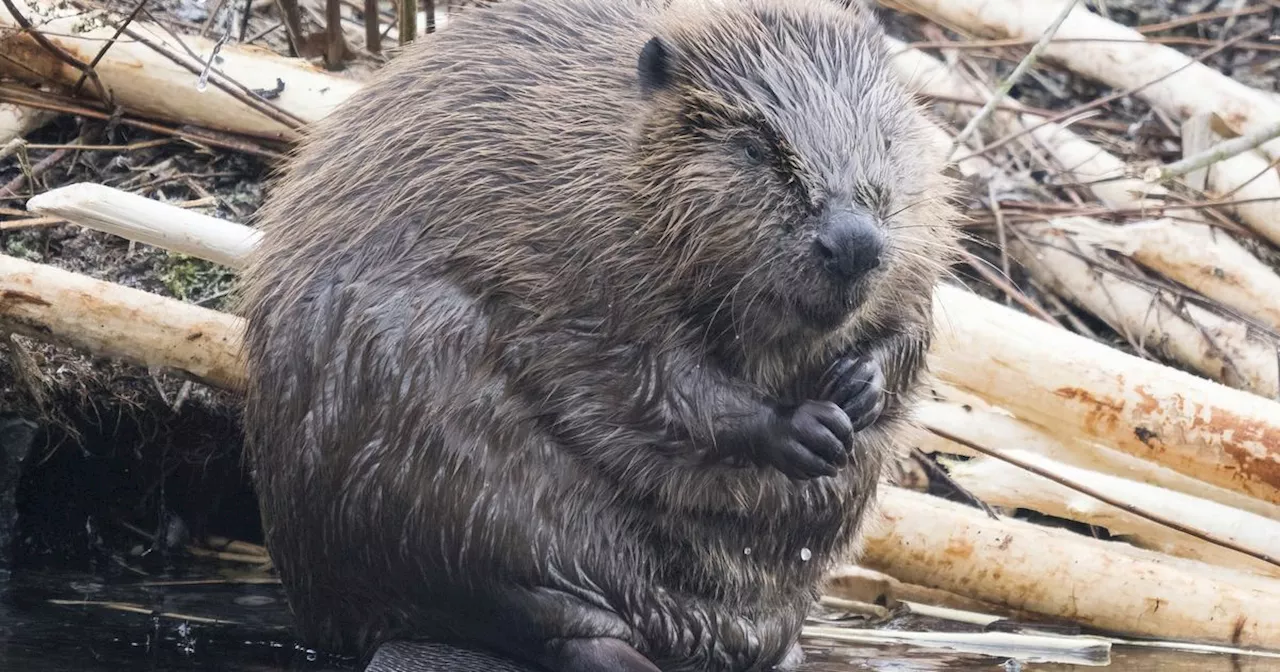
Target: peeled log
pixel 1117 55
pixel 928 541
pixel 1073 386
pixel 147 82
pixel 1002 484
pixel 111 320
pixel 1197 256
pixel 146 220
pixel 990 426
pixel 1063 256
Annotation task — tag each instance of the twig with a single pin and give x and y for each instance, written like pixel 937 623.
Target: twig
pixel 11 189
pixel 292 25
pixel 193 134
pixel 1219 152
pixel 1003 88
pixel 372 39
pixel 408 20
pixel 103 51
pixel 1106 499
pixel 1111 97
pixel 1005 286
pixel 228 85
pixel 1001 234
pixel 336 46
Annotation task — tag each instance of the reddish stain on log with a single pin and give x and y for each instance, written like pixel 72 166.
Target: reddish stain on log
pixel 1252 445
pixel 11 296
pixel 1103 414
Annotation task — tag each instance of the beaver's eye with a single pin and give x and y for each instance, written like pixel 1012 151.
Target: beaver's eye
pixel 754 150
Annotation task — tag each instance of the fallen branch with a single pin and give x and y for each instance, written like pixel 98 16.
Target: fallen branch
pixel 1118 56
pixel 148 221
pixel 110 320
pixel 976 421
pixel 1218 153
pixel 1080 650
pixel 1073 386
pixel 1007 485
pixel 1197 256
pixel 1062 256
pixel 1106 585
pixel 145 81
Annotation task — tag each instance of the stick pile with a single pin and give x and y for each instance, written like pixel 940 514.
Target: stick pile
pixel 1032 410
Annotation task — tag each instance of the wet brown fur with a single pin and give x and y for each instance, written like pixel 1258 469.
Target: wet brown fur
pixel 505 292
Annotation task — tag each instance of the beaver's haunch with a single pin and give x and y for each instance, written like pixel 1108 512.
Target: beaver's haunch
pixel 581 333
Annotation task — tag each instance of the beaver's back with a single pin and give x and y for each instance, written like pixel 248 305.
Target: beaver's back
pixel 513 122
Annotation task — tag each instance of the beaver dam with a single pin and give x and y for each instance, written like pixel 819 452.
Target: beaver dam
pixel 1096 479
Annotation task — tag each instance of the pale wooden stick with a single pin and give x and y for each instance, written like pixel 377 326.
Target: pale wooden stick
pixel 1119 56
pixel 148 221
pixel 1198 256
pixel 1215 154
pixel 1002 484
pixel 1073 386
pixel 860 584
pixel 1078 650
pixel 1245 283
pixel 1225 350
pixel 143 80
pixel 1107 585
pixel 111 320
pixel 957 413
pixel 1248 181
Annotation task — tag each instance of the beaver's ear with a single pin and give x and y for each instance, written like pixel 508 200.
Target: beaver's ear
pixel 654 66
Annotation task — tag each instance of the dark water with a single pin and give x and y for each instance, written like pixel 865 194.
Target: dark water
pixel 214 620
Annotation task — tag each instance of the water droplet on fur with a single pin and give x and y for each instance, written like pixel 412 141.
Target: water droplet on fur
pixel 805 554
pixel 746 551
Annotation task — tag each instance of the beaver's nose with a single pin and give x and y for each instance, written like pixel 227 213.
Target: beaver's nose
pixel 849 244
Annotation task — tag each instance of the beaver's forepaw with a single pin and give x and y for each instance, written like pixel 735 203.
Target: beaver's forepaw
pixel 858 387
pixel 810 440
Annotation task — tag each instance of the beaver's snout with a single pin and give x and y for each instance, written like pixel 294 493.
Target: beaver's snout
pixel 849 244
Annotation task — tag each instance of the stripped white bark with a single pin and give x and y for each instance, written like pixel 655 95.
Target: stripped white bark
pixel 1197 256
pixel 987 425
pixel 1119 56
pixel 143 80
pixel 1222 349
pixel 860 584
pixel 1107 585
pixel 110 320
pixel 149 221
pixel 1252 182
pixel 1073 386
pixel 1248 285
pixel 1002 484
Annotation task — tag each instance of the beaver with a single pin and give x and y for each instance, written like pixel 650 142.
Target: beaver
pixel 581 333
